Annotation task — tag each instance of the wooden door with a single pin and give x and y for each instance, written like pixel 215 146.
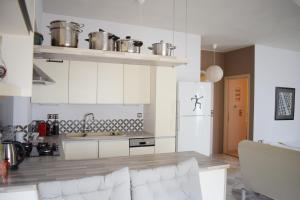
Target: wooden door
pixel 236 113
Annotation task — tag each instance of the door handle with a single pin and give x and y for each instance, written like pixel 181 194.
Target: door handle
pixel 178 116
pixel 54 61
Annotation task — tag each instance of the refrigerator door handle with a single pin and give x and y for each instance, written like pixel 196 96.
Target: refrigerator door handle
pixel 178 116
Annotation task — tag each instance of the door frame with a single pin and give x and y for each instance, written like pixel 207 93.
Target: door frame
pixel 226 118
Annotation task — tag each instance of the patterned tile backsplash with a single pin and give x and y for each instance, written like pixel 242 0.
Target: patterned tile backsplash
pixel 70 126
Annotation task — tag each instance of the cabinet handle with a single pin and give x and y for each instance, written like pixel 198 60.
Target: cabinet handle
pixel 178 116
pixel 55 61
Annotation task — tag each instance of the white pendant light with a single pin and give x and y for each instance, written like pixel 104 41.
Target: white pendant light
pixel 214 73
pixel 141 2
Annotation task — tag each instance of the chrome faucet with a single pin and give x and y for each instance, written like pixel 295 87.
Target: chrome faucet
pixel 85 129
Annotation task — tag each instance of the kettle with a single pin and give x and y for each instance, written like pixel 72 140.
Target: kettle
pixel 14 152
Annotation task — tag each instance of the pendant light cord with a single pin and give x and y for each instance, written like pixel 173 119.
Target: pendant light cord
pixel 173 22
pixel 214 56
pixel 186 28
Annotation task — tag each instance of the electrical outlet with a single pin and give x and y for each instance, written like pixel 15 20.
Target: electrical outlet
pixel 139 115
pixel 50 116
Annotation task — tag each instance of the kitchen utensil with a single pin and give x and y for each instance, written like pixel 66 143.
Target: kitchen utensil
pixel 38 38
pixel 137 46
pixel 42 127
pixel 3 69
pixel 129 45
pixel 44 148
pixel 28 148
pixel 14 152
pixel 102 40
pixel 162 48
pixel 65 34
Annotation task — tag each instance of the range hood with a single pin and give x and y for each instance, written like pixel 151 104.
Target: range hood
pixel 40 77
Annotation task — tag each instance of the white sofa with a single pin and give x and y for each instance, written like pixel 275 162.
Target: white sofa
pixel 270 170
pixel 177 182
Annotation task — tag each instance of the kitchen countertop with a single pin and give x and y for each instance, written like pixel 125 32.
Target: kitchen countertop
pixel 126 136
pixel 40 169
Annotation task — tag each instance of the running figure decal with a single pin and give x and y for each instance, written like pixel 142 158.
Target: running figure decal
pixel 197 103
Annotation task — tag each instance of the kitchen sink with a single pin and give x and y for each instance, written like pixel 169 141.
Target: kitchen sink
pixel 97 134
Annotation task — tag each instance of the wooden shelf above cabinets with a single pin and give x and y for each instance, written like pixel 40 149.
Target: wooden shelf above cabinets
pixel 64 53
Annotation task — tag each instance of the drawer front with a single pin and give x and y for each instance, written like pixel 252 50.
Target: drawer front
pixel 141 150
pixel 113 148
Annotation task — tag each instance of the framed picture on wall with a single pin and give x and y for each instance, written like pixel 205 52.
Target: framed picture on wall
pixel 284 103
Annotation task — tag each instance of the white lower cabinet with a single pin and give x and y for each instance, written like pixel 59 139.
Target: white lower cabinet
pixel 113 148
pixel 141 150
pixel 80 150
pixel 164 145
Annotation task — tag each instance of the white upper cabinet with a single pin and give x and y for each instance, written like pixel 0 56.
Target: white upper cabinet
pixel 136 84
pixel 56 93
pixel 165 101
pixel 110 83
pixel 83 82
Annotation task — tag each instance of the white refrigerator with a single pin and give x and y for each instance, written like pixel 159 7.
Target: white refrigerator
pixel 194 117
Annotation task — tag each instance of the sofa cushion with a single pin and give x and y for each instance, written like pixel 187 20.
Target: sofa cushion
pixel 114 186
pixel 176 182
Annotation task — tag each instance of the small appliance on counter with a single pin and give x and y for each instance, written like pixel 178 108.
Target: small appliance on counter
pixel 46 149
pixel 14 152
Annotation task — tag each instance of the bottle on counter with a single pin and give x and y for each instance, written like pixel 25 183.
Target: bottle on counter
pixel 55 126
pixel 42 129
pixel 49 127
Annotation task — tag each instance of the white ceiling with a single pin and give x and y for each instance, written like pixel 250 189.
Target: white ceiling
pixel 231 24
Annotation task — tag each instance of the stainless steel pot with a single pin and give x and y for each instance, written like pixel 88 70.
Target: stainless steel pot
pixel 102 40
pixel 64 34
pixel 129 45
pixel 163 49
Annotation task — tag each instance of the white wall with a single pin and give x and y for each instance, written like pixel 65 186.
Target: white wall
pixel 275 68
pixel 15 111
pixel 6 111
pixel 18 54
pixel 22 111
pixel 148 36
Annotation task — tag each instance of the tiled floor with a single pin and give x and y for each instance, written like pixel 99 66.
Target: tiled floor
pixel 235 180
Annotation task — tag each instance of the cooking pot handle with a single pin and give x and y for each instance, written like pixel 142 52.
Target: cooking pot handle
pixel 87 39
pixel 21 153
pixel 138 43
pixel 151 48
